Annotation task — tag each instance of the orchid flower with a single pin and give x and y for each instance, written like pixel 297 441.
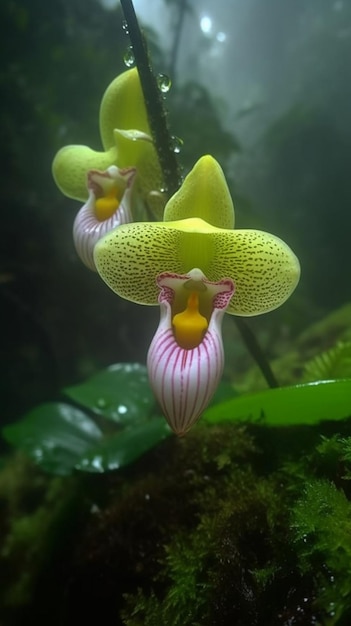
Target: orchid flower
pixel 108 206
pixel 126 140
pixel 196 267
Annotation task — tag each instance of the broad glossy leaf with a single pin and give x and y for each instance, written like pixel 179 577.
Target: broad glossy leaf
pixel 125 447
pixel 54 435
pixel 300 404
pixel 121 393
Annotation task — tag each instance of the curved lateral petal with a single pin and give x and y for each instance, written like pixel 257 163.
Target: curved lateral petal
pixel 72 164
pixel 264 269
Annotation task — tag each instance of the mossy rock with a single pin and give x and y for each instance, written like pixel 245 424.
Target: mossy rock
pixel 229 525
pixel 208 531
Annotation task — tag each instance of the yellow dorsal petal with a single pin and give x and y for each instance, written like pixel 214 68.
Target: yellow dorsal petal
pixel 190 326
pixel 106 205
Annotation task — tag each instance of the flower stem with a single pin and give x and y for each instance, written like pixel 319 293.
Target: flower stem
pixel 256 352
pixel 153 102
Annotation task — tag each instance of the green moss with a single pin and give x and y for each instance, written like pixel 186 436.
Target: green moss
pixel 322 524
pixel 331 364
pixel 35 507
pixel 202 537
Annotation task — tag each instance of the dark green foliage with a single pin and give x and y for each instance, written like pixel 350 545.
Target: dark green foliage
pixel 310 191
pixel 54 435
pixel 124 447
pixel 121 393
pixel 334 363
pixel 57 59
pixel 34 532
pixel 60 437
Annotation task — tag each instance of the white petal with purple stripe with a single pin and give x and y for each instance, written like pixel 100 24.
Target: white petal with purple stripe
pixel 87 228
pixel 184 380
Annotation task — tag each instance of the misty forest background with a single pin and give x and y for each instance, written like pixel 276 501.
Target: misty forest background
pixel 266 91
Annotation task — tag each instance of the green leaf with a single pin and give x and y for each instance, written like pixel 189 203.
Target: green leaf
pixel 54 435
pixel 125 447
pixel 301 404
pixel 334 363
pixel 121 393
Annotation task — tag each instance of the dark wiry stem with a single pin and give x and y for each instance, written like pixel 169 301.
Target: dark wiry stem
pixel 176 42
pixel 256 351
pixel 153 102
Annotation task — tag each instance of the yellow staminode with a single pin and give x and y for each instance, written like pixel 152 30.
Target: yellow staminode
pixel 189 326
pixel 107 205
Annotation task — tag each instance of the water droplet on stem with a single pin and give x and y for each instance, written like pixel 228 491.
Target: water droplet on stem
pixel 176 144
pixel 163 82
pixel 128 57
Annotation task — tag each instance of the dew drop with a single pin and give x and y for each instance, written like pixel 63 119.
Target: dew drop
pixel 38 454
pixel 221 37
pixel 122 409
pixel 125 27
pixel 101 403
pixel 176 144
pixel 163 82
pixel 128 57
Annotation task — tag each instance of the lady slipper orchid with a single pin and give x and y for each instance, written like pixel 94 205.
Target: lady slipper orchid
pixel 137 260
pixel 186 359
pixel 108 206
pixel 126 140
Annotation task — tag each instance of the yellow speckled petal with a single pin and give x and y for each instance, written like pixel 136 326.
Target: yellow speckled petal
pixel 71 165
pixel 122 106
pixel 264 269
pixel 204 194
